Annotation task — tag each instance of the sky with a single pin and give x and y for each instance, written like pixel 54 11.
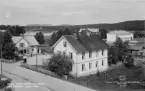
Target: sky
pixel 74 12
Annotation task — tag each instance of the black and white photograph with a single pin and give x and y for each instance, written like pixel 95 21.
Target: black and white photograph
pixel 72 45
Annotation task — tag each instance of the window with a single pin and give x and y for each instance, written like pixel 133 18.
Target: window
pixel 83 55
pixel 58 51
pixel 64 52
pixel 102 52
pixel 83 67
pixel 90 65
pixel 90 54
pixel 96 63
pixel 37 50
pixel 71 55
pixel 102 62
pixel 21 44
pixel 97 54
pixel 64 44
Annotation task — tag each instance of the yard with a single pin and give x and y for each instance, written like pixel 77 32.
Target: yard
pixel 103 82
pixel 107 81
pixel 40 59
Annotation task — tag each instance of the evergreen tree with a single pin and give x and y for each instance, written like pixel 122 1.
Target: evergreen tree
pixel 40 37
pixel 9 51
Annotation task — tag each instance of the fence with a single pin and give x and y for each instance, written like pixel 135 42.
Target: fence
pixel 8 61
pixel 38 69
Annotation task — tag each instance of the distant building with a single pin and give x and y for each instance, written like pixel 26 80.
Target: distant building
pixel 26 45
pixel 124 35
pixel 90 30
pixel 89 53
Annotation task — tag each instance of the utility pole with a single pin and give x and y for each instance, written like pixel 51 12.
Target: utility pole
pixel 1 59
pixel 36 57
pixel 2 51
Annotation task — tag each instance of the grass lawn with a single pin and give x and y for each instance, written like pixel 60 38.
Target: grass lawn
pixel 100 82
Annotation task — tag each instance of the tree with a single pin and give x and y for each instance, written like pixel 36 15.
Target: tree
pixel 14 30
pixel 129 61
pixel 103 33
pixel 40 37
pixel 118 51
pixel 60 64
pixel 9 51
pixel 7 38
pixel 58 34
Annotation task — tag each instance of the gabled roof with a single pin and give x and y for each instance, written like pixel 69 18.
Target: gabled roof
pixel 16 39
pixel 92 42
pixel 84 43
pixel 120 32
pixel 75 44
pixel 30 39
pixel 89 29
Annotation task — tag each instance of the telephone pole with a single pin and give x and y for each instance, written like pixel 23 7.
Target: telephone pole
pixel 2 49
pixel 1 59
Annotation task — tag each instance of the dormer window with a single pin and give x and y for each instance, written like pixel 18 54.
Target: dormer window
pixel 22 44
pixel 64 44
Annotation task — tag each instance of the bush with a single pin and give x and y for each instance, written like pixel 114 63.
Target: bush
pixel 4 83
pixel 8 89
pixel 60 64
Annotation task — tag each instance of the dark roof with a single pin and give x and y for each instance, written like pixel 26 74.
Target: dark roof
pixel 76 44
pixel 85 43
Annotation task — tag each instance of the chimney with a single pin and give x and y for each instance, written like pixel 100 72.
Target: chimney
pixel 75 35
pixel 22 35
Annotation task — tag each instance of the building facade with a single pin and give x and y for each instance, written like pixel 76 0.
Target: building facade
pixel 26 45
pixel 85 61
pixel 124 35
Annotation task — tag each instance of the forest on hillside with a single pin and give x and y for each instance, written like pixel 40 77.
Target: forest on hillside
pixel 136 25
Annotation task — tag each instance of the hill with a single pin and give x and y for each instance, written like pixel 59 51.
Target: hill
pixel 136 25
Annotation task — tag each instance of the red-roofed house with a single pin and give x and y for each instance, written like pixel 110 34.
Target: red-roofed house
pixel 88 52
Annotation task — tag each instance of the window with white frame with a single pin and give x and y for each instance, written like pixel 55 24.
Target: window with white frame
pixel 83 67
pixel 102 52
pixel 90 65
pixel 71 55
pixel 64 44
pixel 90 54
pixel 96 63
pixel 22 45
pixel 83 55
pixel 97 54
pixel 102 62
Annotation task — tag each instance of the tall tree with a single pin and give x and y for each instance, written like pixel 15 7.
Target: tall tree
pixel 118 51
pixel 7 38
pixel 9 51
pixel 103 33
pixel 57 35
pixel 40 37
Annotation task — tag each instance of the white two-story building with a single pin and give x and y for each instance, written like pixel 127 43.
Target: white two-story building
pixel 124 35
pixel 26 45
pixel 88 52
